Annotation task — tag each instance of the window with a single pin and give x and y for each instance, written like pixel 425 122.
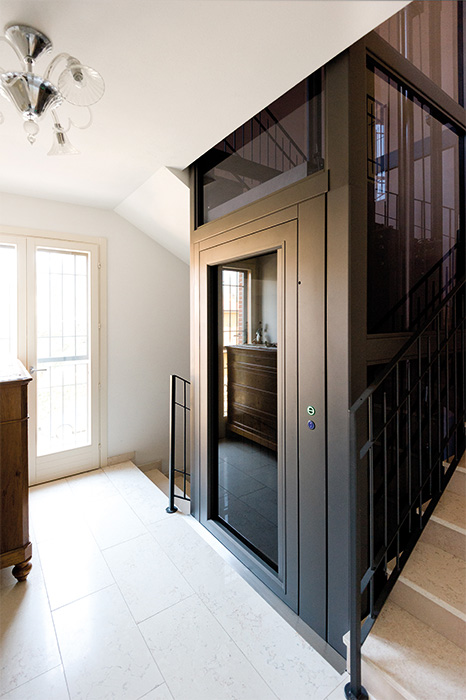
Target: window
pixel 413 206
pixel 8 306
pixel 431 36
pixel 235 286
pixel 280 145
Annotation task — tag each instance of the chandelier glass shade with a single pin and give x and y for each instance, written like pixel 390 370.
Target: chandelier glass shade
pixel 36 96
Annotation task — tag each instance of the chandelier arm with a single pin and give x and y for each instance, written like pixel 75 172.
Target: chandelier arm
pixel 78 126
pixel 54 62
pixel 71 122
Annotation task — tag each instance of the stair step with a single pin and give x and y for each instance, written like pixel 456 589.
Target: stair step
pixel 161 480
pixel 446 528
pixel 179 483
pixel 403 658
pixel 457 483
pixel 432 587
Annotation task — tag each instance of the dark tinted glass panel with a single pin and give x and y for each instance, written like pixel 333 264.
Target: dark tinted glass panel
pixel 413 207
pixel 245 492
pixel 278 146
pixel 427 34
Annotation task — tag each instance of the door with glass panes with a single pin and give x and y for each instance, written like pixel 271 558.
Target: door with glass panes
pixel 248 402
pixel 50 320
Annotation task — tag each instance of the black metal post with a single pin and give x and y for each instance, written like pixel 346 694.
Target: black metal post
pixel 172 437
pixel 354 690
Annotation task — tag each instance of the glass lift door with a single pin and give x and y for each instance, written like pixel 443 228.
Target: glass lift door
pixel 247 478
pixel 249 469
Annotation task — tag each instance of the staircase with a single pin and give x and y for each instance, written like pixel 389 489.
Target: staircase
pixel 417 647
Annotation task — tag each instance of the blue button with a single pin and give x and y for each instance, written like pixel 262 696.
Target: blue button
pixel 311 425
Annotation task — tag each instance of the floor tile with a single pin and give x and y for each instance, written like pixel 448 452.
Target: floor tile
pixel 73 567
pixel 283 658
pixel 267 475
pixel 125 475
pixel 339 692
pixel 264 502
pixel 247 456
pixel 160 693
pixel 112 521
pixel 192 555
pixel 216 670
pixel 275 649
pixel 28 645
pixel 147 578
pixel 53 508
pixel 236 481
pixel 140 493
pixel 48 686
pixel 262 533
pixel 187 597
pixel 91 486
pixel 104 655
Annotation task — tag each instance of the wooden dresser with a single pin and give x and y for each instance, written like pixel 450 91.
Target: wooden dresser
pixel 15 547
pixel 252 393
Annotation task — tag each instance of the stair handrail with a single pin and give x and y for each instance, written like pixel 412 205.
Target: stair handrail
pixel 172 469
pixel 359 582
pixel 422 281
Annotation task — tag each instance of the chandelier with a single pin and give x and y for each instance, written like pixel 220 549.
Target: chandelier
pixel 35 96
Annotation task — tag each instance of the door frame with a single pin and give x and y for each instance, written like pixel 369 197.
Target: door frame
pixel 26 303
pixel 265 239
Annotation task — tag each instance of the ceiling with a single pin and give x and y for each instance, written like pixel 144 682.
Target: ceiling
pixel 180 75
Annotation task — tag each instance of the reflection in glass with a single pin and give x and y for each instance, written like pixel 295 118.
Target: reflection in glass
pixel 246 498
pixel 413 207
pixel 428 35
pixel 280 145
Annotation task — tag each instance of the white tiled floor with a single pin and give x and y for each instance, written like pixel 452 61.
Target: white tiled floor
pixel 126 602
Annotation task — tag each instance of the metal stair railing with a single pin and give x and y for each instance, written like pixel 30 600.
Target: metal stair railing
pixel 428 291
pixel 173 470
pixel 406 437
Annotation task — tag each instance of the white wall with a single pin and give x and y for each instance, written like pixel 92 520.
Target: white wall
pixel 148 319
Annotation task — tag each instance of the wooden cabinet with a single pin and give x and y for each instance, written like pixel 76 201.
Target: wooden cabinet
pixel 252 393
pixel 15 547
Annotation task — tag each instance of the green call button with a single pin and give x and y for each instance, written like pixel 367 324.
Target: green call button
pixel 311 410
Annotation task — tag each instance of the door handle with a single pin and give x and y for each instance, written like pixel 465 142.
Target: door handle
pixel 35 369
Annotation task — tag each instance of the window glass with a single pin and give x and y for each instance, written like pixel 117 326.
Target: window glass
pixel 276 147
pixel 9 302
pixel 63 360
pixel 413 207
pixel 246 483
pixel 426 33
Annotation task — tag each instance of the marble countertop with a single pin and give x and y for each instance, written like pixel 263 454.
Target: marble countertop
pixel 13 371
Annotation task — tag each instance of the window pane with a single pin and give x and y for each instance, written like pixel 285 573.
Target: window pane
pixel 246 483
pixel 413 207
pixel 63 389
pixel 426 33
pixel 278 146
pixel 9 301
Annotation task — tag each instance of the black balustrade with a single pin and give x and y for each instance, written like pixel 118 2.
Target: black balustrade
pixel 179 387
pixel 407 435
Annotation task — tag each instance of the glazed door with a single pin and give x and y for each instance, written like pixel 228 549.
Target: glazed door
pixel 248 402
pixel 50 319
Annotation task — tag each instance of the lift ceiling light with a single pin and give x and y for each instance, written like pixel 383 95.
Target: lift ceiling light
pixel 35 96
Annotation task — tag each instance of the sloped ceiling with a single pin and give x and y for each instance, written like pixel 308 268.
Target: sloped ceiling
pixel 180 75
